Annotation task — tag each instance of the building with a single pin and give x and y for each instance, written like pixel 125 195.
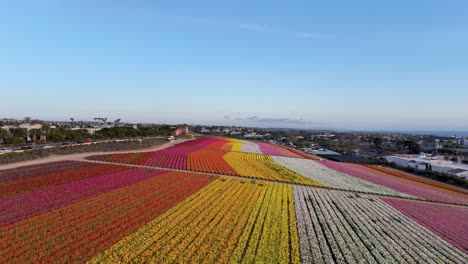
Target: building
pixel 8 127
pixel 92 130
pixel 462 173
pixel 180 130
pixel 29 126
pixel 436 163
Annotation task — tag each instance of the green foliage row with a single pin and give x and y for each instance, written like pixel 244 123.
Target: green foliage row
pixel 16 136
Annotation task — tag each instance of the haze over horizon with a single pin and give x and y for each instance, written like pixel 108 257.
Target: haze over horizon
pixel 360 65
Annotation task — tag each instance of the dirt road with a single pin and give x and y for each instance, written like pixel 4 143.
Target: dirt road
pixel 82 156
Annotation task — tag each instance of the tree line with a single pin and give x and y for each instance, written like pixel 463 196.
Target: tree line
pixel 21 136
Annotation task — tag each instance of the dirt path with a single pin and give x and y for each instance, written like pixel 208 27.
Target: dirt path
pixel 82 156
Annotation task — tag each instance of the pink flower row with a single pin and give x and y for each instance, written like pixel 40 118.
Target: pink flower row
pixel 23 206
pixel 417 189
pixel 276 150
pixel 447 221
pixel 22 172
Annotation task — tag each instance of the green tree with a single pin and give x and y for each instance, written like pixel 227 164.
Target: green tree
pixel 378 142
pixel 79 135
pixel 19 132
pixel 35 134
pixel 292 139
pixel 13 141
pixel 57 135
pixel 3 135
pixel 412 146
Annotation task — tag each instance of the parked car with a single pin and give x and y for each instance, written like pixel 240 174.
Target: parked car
pixel 5 150
pixel 26 147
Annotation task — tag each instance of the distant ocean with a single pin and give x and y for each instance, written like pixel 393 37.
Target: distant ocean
pixel 416 132
pixel 438 133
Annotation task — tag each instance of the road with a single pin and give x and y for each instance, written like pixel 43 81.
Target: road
pixel 82 156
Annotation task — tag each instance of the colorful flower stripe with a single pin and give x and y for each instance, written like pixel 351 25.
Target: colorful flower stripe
pixel 219 144
pixel 416 178
pixel 249 165
pixel 447 221
pixel 77 232
pixel 276 150
pixel 211 161
pixel 227 147
pixel 340 227
pixel 270 235
pixel 229 144
pixel 200 143
pixel 331 178
pixel 263 167
pixel 250 147
pixel 21 172
pixel 26 205
pixel 399 184
pixel 214 225
pixel 43 179
pixel 183 231
pixel 176 159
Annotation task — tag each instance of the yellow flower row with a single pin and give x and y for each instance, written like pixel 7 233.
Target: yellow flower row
pixel 270 235
pixel 146 236
pixel 247 165
pixel 212 218
pixel 215 226
pixel 264 167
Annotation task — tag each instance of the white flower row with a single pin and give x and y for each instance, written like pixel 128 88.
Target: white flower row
pixel 335 226
pixel 331 178
pixel 250 147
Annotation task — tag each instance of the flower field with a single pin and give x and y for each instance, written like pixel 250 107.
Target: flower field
pixel 57 175
pixel 275 150
pixel 331 178
pixel 26 171
pixel 264 167
pixel 339 227
pixel 75 212
pixel 447 221
pixel 411 187
pixel 73 229
pixel 106 212
pixel 419 179
pixel 228 221
pixel 207 155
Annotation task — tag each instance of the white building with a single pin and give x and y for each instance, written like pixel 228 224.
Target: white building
pixel 437 163
pixel 92 130
pixel 8 127
pixel 29 126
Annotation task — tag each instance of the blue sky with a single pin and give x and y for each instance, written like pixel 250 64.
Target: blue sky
pixel 399 64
